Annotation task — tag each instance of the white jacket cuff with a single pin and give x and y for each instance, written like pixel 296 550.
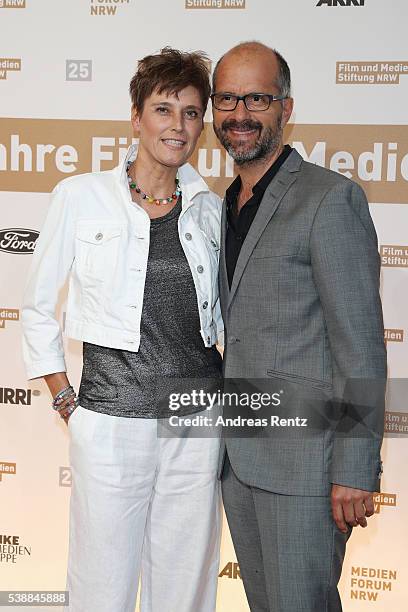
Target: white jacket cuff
pixel 37 369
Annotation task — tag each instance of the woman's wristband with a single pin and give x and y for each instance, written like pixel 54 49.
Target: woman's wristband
pixel 68 410
pixel 65 402
pixel 62 396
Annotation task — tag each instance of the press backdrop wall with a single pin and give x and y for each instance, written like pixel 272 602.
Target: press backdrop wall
pixel 64 109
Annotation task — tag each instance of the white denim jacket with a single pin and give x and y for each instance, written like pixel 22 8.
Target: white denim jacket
pixel 95 234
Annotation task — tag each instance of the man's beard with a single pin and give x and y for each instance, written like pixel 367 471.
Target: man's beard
pixel 268 142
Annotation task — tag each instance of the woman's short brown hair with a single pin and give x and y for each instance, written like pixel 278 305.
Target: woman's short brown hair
pixel 170 71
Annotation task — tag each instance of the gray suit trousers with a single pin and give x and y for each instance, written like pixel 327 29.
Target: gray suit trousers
pixel 289 549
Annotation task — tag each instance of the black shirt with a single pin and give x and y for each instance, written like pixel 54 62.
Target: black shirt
pixel 238 224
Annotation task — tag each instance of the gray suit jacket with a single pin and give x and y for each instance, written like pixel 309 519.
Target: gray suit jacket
pixel 304 307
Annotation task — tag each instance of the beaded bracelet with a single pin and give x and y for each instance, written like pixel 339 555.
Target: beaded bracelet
pixel 65 400
pixel 70 409
pixel 60 398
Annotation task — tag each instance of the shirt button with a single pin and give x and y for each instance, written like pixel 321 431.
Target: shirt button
pixel 99 236
pixel 205 304
pixel 200 269
pixel 188 236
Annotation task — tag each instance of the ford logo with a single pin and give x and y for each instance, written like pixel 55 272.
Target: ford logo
pixel 18 241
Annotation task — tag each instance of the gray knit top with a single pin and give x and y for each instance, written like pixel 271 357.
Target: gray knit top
pixel 172 357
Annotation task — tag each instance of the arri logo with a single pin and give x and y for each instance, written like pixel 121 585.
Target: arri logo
pixel 9 395
pixel 18 241
pixel 231 570
pixel 341 3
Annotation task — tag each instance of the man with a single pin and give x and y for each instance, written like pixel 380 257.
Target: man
pixel 299 283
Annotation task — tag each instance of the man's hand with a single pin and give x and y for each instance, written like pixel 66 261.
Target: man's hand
pixel 351 506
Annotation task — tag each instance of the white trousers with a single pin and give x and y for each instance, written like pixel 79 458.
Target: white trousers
pixel 141 506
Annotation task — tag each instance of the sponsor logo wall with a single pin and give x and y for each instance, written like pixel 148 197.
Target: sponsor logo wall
pixel 65 110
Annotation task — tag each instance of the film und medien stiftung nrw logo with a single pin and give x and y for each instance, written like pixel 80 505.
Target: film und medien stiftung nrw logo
pixel 396 423
pixel 215 4
pixel 107 8
pixel 12 4
pixel 394 256
pixel 370 73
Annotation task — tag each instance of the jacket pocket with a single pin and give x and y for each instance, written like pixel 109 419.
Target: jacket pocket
pixel 96 250
pixel 302 380
pixel 270 252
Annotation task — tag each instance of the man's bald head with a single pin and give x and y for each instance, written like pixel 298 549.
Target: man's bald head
pixel 251 72
pixel 254 51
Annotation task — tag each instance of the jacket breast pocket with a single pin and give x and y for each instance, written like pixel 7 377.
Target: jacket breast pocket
pixel 273 251
pixel 96 250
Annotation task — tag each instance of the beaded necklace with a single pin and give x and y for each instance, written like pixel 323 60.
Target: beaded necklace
pixel 158 201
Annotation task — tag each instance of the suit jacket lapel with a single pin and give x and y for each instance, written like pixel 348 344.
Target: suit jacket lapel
pixel 267 208
pixel 223 276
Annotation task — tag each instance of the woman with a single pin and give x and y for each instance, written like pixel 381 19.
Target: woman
pixel 140 245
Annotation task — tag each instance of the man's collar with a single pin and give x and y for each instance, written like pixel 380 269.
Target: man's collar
pixel 233 190
pixel 264 181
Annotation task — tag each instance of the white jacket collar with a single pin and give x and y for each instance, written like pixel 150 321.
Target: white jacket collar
pixel 191 182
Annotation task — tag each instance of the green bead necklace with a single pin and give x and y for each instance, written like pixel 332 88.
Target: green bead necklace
pixel 158 201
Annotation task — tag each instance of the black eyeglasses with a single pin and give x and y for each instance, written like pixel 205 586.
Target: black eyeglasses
pixel 252 101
